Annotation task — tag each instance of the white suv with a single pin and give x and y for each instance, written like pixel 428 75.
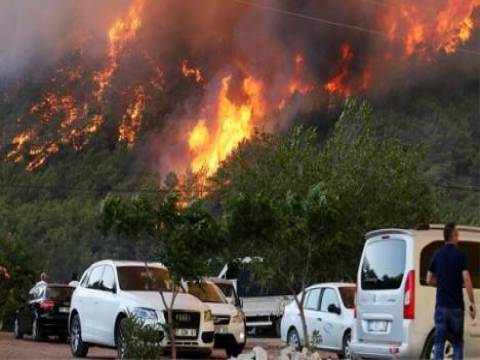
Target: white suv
pixel 109 290
pixel 229 320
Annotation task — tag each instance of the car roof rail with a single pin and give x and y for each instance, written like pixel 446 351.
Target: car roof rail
pixel 379 232
pixel 467 228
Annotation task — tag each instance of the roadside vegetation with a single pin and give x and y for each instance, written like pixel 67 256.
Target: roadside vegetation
pixel 301 200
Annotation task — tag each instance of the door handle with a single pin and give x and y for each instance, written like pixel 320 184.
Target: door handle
pixel 319 319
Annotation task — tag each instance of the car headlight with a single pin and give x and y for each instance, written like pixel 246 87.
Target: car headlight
pixel 145 313
pixel 207 315
pixel 239 317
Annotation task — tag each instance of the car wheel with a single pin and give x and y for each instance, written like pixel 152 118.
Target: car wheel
pixel 429 351
pixel 293 339
pixel 233 350
pixel 18 333
pixel 77 346
pixel 278 327
pixel 120 339
pixel 346 349
pixel 36 329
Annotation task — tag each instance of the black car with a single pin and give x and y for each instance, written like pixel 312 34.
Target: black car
pixel 45 312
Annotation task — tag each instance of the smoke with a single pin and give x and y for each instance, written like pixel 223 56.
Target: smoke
pixel 38 33
pixel 258 64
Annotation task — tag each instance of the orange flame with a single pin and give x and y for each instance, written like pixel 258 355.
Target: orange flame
pixel 133 118
pixel 191 72
pixel 122 32
pixel 337 85
pixel 233 124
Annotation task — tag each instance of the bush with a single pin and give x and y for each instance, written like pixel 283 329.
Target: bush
pixel 143 341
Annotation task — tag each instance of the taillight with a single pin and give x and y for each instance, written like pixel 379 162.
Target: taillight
pixel 47 304
pixel 409 297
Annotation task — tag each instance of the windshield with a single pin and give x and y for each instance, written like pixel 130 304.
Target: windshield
pixel 137 278
pixel 59 293
pixel 383 265
pixel 206 292
pixel 348 296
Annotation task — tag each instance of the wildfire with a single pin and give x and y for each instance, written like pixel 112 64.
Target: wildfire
pixel 431 26
pixel 133 118
pixel 232 124
pixel 337 84
pixel 191 72
pixel 122 32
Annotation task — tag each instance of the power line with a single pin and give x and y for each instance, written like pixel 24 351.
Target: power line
pixel 353 27
pixel 313 18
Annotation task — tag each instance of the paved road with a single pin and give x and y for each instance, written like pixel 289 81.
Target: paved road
pixel 10 348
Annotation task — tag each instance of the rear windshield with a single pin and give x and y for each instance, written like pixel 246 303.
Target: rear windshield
pixel 206 292
pixel 383 265
pixel 137 278
pixel 59 293
pixel 348 296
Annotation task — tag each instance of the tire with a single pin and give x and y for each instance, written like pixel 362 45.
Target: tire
pixel 278 327
pixel 36 329
pixel 78 348
pixel 233 350
pixel 428 351
pixel 120 338
pixel 18 333
pixel 293 339
pixel 346 347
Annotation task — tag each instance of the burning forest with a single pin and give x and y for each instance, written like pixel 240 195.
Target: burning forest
pixel 186 82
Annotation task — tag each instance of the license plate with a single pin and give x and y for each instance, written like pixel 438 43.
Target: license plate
pixel 63 309
pixel 220 329
pixel 377 326
pixel 186 332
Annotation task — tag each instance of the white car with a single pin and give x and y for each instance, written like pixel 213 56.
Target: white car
pixel 109 290
pixel 229 320
pixel 329 314
pixel 395 305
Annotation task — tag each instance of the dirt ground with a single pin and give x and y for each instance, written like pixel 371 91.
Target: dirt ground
pixel 10 348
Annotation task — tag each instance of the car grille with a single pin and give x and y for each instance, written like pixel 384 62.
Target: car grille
pixel 185 320
pixel 221 320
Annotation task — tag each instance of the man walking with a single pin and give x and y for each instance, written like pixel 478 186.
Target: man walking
pixel 449 272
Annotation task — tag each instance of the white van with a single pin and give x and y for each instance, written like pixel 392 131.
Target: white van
pixel 394 306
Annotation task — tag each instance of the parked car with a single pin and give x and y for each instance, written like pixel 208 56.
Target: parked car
pixel 45 312
pixel 394 303
pixel 228 289
pixel 228 319
pixel 109 290
pixel 329 316
pixel 263 305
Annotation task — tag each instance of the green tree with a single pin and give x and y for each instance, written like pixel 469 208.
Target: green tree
pixel 184 237
pixel 290 201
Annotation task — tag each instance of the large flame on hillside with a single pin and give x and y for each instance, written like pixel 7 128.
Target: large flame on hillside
pixel 227 76
pixel 232 124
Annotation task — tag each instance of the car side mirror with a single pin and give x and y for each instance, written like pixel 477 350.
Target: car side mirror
pixel 332 308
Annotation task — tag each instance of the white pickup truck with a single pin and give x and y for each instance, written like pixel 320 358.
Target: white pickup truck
pixel 261 312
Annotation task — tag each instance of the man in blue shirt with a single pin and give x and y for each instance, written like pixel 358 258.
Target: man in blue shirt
pixel 449 272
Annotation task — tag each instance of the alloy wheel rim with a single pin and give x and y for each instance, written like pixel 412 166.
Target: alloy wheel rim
pixel 447 351
pixel 348 354
pixel 75 336
pixel 121 340
pixel 294 340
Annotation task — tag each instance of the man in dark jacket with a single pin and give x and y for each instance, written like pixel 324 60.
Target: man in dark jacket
pixel 449 272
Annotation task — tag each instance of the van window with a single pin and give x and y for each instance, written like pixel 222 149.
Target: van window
pixel 108 279
pixel 383 265
pixel 472 251
pixel 348 296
